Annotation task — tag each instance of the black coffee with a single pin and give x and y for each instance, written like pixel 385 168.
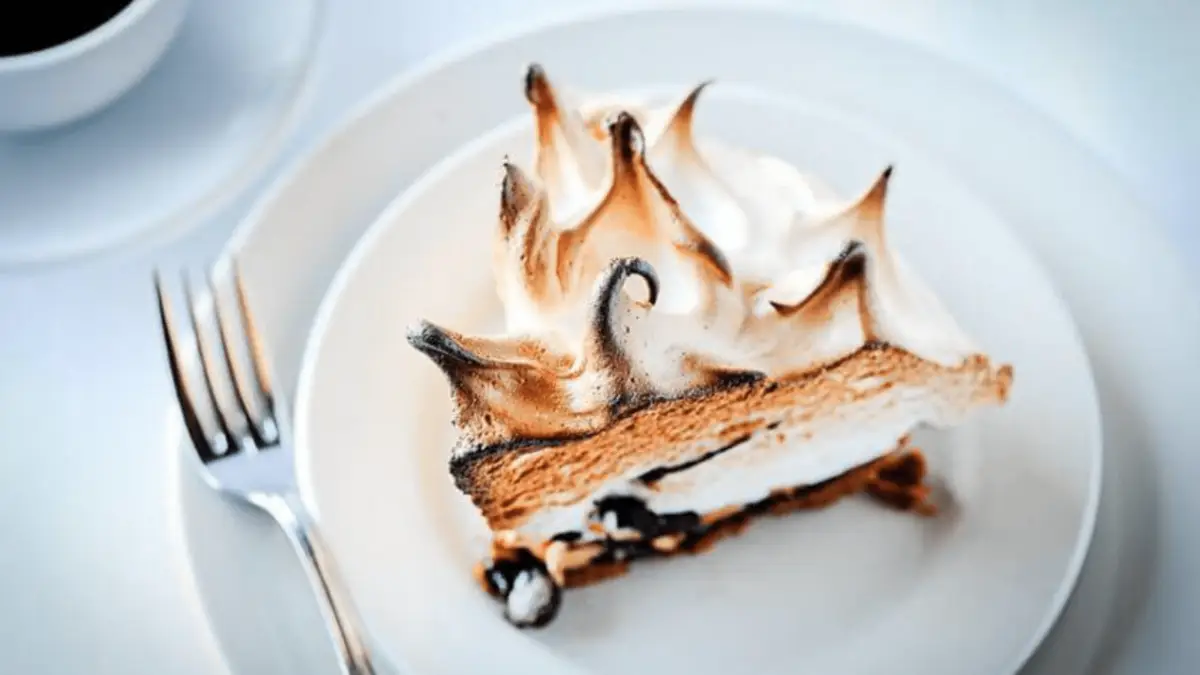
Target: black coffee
pixel 34 25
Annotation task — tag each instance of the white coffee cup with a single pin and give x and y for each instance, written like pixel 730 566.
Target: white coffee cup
pixel 71 80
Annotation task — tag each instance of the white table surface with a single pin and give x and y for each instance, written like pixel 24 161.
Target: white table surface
pixel 92 573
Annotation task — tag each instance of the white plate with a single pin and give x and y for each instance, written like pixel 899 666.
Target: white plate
pixel 217 104
pixel 1071 210
pixel 840 591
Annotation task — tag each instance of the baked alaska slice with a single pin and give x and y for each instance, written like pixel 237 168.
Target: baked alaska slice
pixel 695 336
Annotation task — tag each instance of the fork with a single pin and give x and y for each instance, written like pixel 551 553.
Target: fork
pixel 239 426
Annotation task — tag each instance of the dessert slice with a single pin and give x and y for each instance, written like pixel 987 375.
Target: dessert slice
pixel 674 366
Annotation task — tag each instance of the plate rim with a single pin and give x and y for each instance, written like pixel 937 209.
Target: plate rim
pixel 432 67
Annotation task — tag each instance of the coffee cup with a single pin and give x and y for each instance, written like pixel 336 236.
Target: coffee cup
pixel 62 60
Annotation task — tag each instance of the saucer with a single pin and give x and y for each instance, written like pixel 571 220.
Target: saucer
pixel 170 152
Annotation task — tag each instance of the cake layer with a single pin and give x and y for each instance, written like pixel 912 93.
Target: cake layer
pixel 726 447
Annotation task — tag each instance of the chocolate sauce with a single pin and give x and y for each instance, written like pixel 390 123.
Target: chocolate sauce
pixel 505 574
pixel 632 513
pixel 27 27
pixel 502 573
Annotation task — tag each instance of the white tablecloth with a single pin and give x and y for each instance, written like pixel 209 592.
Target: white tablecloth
pixel 92 578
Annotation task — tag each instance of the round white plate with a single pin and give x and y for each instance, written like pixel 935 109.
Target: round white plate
pixel 844 590
pixel 216 107
pixel 1096 241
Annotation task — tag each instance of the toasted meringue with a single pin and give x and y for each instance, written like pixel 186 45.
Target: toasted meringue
pixel 775 341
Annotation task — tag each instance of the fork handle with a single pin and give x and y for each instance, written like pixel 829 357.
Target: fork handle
pixel 341 617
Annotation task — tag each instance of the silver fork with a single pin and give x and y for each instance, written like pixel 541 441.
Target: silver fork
pixel 240 428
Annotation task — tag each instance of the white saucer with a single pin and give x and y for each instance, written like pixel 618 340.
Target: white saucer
pixel 172 150
pixel 292 243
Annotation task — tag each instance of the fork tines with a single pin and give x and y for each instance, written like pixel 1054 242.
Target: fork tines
pixel 233 409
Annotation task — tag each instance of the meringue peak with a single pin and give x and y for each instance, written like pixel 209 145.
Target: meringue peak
pixel 517 196
pixel 868 209
pixel 515 385
pixel 678 126
pixel 538 91
pixel 628 142
pixel 641 215
pixel 565 155
pixel 748 271
pixel 849 268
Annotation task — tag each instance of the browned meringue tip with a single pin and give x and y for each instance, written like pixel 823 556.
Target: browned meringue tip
pixel 849 267
pixel 441 348
pixel 517 193
pixel 628 142
pixel 870 205
pixel 681 121
pixel 538 91
pixel 1004 380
